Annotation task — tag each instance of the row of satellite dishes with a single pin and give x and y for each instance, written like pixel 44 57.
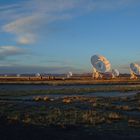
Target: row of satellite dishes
pixel 36 75
pixel 101 65
pixel 69 75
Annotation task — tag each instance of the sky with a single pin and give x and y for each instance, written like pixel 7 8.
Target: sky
pixel 58 36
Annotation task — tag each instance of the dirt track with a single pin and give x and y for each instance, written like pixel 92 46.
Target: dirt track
pixel 60 81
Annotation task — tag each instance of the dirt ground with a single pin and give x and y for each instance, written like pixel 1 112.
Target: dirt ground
pixel 31 132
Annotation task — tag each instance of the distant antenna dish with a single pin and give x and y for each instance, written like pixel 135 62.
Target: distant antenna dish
pixel 69 74
pixel 37 74
pixel 100 63
pixel 135 68
pixel 18 75
pixel 115 72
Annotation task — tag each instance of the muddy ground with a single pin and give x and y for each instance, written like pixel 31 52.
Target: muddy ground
pixel 69 117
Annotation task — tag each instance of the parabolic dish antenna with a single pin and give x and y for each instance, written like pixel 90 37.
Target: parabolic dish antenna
pixel 37 74
pixel 69 74
pixel 115 72
pixel 135 68
pixel 100 63
pixel 18 75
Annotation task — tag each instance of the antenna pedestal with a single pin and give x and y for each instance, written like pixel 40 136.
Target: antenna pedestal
pixel 132 75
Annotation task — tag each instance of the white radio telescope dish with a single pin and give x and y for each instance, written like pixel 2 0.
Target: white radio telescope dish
pixel 18 75
pixel 135 68
pixel 37 74
pixel 100 63
pixel 70 74
pixel 115 72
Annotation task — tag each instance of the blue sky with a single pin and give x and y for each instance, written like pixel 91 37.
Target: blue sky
pixel 57 36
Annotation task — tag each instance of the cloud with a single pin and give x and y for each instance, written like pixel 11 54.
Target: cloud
pixel 6 51
pixel 37 14
pixel 25 40
pixel 21 25
pixel 23 28
pixel 26 18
